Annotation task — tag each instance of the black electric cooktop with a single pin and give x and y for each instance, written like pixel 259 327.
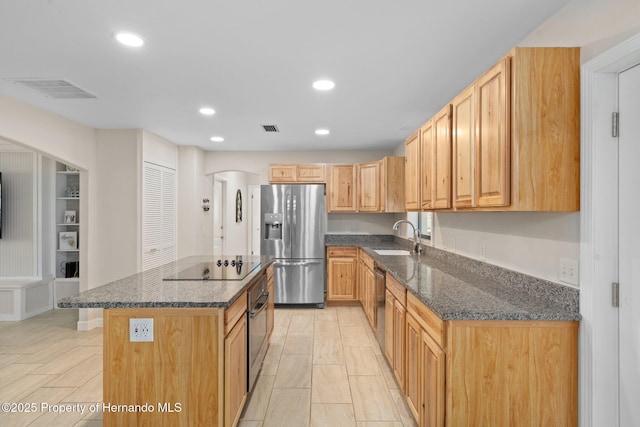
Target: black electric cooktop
pixel 228 268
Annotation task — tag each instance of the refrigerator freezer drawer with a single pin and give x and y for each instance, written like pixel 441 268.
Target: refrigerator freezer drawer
pixel 300 281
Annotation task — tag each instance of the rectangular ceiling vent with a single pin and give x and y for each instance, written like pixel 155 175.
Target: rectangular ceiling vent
pixel 54 88
pixel 270 128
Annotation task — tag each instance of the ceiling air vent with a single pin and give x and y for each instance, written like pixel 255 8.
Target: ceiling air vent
pixel 54 88
pixel 270 128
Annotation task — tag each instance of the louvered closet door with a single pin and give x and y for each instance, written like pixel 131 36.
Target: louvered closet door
pixel 158 216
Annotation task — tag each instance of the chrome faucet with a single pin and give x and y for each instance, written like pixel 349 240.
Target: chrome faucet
pixel 416 245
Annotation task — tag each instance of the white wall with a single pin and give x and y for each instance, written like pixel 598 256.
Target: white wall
pixel 72 143
pixel 118 205
pixel 360 223
pixel 236 234
pixel 195 232
pixel 158 150
pixel 530 242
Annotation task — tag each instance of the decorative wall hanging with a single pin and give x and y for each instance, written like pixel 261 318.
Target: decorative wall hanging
pixel 238 206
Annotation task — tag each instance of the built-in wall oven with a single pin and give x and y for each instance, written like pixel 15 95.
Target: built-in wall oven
pixel 258 297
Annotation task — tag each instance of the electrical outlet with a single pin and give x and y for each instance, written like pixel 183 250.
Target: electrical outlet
pixel 568 271
pixel 141 330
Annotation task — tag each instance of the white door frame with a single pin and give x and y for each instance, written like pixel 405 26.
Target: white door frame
pixel 598 361
pixel 253 220
pixel 218 221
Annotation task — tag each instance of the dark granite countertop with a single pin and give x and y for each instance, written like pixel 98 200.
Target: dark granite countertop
pixel 147 289
pixel 459 288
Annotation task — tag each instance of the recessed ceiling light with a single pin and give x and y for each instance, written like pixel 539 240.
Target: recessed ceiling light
pixel 323 85
pixel 129 39
pixel 207 111
pixel 322 131
pixel 217 138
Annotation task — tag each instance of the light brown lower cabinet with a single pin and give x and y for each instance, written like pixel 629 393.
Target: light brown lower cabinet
pixel 235 372
pixel 366 287
pixel 488 372
pixel 395 328
pixel 342 274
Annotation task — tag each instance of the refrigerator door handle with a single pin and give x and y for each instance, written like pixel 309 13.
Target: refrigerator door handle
pixel 294 222
pixel 299 263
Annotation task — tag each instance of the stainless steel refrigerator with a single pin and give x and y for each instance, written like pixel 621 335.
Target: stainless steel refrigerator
pixel 293 226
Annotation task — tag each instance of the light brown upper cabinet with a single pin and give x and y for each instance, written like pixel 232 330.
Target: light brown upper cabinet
pixel 428 164
pixel 426 169
pixel 380 185
pixel 516 134
pixel 369 187
pixel 411 171
pixel 493 162
pixel 545 129
pixel 464 148
pixel 376 186
pixel 481 140
pixel 440 149
pixel 297 173
pixel 341 188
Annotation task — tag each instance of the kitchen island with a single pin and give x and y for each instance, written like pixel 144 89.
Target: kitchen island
pixel 190 366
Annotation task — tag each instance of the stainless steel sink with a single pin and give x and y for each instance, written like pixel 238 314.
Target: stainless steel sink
pixel 392 252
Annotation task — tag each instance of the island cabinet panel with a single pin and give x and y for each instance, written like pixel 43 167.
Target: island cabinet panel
pixel 272 300
pixel 180 373
pixel 506 373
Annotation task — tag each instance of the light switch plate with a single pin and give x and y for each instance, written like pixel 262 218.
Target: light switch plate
pixel 141 330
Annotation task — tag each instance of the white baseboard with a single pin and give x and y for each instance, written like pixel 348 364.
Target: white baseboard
pixel 87 325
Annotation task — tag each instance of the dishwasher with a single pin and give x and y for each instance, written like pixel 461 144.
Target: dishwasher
pixel 380 290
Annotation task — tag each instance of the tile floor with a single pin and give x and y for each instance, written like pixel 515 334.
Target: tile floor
pixel 323 368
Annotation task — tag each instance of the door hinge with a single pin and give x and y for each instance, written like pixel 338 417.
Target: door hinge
pixel 615 294
pixel 615 121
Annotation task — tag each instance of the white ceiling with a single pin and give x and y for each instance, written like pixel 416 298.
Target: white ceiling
pixel 395 63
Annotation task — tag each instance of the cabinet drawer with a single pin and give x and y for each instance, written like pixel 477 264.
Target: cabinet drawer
pixel 342 252
pixel 367 260
pixel 233 313
pixel 397 290
pixel 430 321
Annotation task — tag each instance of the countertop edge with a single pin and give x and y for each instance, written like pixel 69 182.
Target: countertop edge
pixel 89 299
